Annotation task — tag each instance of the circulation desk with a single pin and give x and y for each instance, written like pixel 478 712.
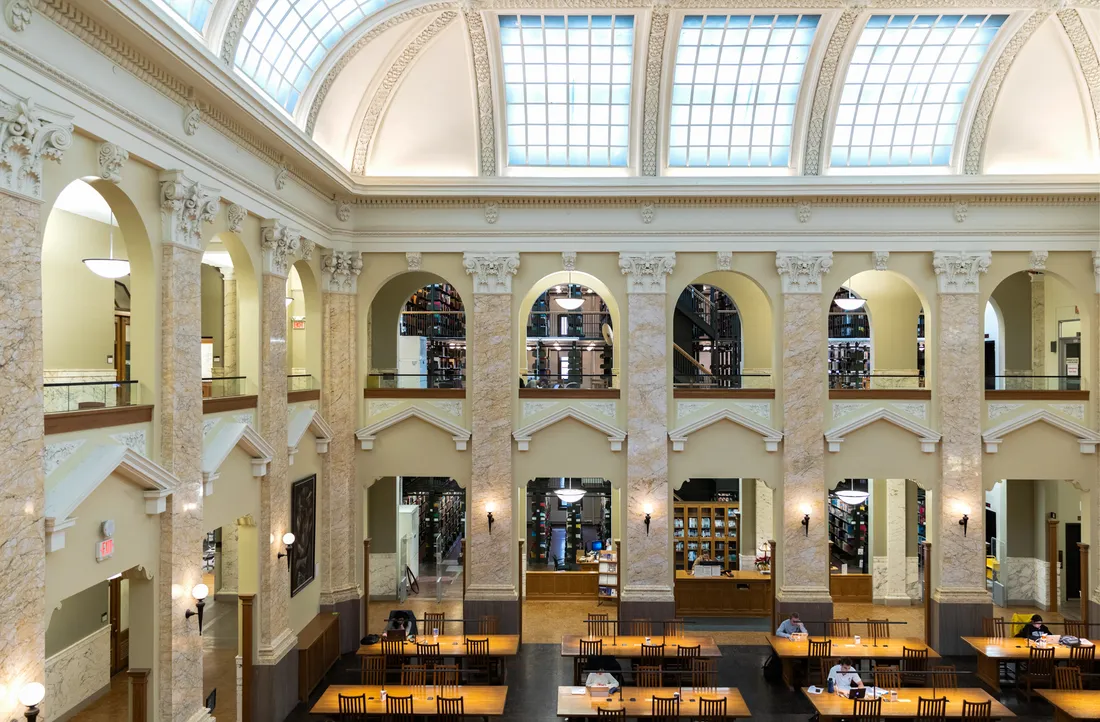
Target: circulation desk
pixel 745 594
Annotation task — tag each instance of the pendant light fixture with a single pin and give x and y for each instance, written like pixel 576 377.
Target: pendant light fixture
pixel 852 496
pixel 109 267
pixel 568 494
pixel 568 302
pixel 850 303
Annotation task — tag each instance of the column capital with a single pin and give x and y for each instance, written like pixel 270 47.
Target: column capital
pixel 340 271
pixel 227 273
pixel 802 272
pixel 184 206
pixel 112 157
pixel 29 135
pixel 958 271
pixel 646 272
pixel 279 244
pixel 235 216
pixel 1037 261
pixel 492 272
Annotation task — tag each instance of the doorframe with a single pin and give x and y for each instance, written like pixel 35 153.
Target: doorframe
pixel 1076 552
pixel 119 662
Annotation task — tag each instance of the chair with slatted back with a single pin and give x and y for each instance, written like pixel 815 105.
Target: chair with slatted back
pixel 674 628
pixel 478 664
pixel 635 628
pixel 932 710
pixel 399 709
pixel 944 676
pixel 433 620
pixel 887 676
pixel 445 675
pixel 487 625
pixel 394 652
pixel 1084 658
pixel 619 713
pixel 681 666
pixel 982 711
pixel 449 709
pixel 373 670
pixel 601 627
pixel 653 652
pixel 867 709
pixel 1040 672
pixel 838 628
pixel 588 648
pixel 1067 678
pixel 878 628
pixel 414 675
pixel 914 662
pixel 993 627
pixel 818 656
pixel 597 616
pixel 648 676
pixel 711 710
pixel 1074 628
pixel 704 673
pixel 427 653
pixel 353 708
pixel 665 709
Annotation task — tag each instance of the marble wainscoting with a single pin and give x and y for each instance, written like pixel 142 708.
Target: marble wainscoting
pixel 79 674
pixel 912 578
pixel 383 576
pixel 879 567
pixel 1025 580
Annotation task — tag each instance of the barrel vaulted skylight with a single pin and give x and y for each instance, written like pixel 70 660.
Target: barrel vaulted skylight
pixel 735 87
pixel 284 41
pixel 567 85
pixel 905 88
pixel 193 12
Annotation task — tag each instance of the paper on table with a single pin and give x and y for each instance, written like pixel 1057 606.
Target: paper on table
pixel 723 689
pixel 814 690
pixel 577 690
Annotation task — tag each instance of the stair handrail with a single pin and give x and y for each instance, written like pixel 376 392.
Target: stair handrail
pixel 707 305
pixel 689 357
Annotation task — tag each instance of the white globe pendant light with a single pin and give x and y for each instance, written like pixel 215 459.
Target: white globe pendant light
pixel 568 302
pixel 849 304
pixel 852 496
pixel 569 496
pixel 109 267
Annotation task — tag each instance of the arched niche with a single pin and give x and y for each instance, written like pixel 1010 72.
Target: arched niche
pixel 228 250
pixel 755 310
pixel 388 316
pixel 303 322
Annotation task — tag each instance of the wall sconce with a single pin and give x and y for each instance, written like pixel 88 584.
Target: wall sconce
pixel 648 509
pixel 30 696
pixel 806 518
pixel 965 518
pixel 489 515
pixel 288 542
pixel 199 592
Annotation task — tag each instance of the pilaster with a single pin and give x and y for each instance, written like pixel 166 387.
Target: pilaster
pixel 647 586
pixel 959 597
pixel 492 586
pixel 803 584
pixel 229 555
pixel 765 519
pixel 1038 324
pixel 229 321
pixel 895 592
pixel 1094 372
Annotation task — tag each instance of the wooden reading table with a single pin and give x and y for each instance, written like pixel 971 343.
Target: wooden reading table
pixel 631 647
pixel 835 707
pixel 638 701
pixel 477 701
pixel 795 655
pixel 1072 704
pixel 453 645
pixel 994 650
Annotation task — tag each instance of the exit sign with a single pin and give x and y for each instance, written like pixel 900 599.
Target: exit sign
pixel 104 549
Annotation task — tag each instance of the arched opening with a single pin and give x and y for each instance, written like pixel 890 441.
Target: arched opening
pixel 230 317
pixel 706 338
pixel 303 328
pixel 570 339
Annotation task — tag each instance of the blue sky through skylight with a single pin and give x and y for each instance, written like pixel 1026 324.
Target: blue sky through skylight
pixel 193 12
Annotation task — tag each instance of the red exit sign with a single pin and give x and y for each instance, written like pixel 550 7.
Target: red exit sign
pixel 104 549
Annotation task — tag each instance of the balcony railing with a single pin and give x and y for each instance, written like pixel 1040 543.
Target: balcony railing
pixel 220 387
pixel 440 380
pixel 717 381
pixel 84 395
pixel 300 382
pixel 1034 383
pixel 567 381
pixel 868 382
pixel 543 324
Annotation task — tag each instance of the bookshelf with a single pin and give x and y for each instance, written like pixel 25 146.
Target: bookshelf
pixel 848 535
pixel 442 516
pixel 436 313
pixel 538 546
pixel 574 535
pixel 608 589
pixel 709 528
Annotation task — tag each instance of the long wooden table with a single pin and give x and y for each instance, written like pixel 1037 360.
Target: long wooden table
pixel 477 701
pixel 638 701
pixel 1072 704
pixel 453 645
pixel 835 707
pixel 794 655
pixel 994 650
pixel 631 647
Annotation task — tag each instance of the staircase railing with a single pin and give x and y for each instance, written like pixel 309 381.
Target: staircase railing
pixel 684 364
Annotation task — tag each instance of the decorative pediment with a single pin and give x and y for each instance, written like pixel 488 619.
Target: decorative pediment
pixel 307 419
pixel 772 437
pixel 74 486
pixel 928 437
pixel 225 437
pixel 1087 438
pixel 615 435
pixel 367 434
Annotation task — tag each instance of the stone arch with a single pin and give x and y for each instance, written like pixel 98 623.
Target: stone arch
pixel 304 345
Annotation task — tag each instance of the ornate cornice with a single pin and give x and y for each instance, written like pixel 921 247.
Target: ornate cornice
pixel 646 272
pixel 340 271
pixel 830 64
pixel 487 134
pixel 28 136
pixel 802 272
pixel 958 271
pixel 492 272
pixel 279 244
pixel 1086 57
pixel 184 207
pixel 390 81
pixel 651 132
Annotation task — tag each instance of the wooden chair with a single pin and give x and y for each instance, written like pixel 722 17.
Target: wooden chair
pixel 1075 628
pixel 711 709
pixel 394 653
pixel 635 628
pixel 600 627
pixel 818 655
pixel 665 709
pixel 597 616
pixel 1067 678
pixel 932 710
pixel 838 628
pixel 681 666
pixel 487 625
pixel 589 648
pixel 648 676
pixel 654 652
pixel 428 653
pixel 993 627
pixel 414 675
pixel 878 628
pixel 1040 671
pixel 449 709
pixel 353 708
pixel 704 673
pixel 433 620
pixel 914 660
pixel 616 713
pixel 888 676
pixel 445 675
pixel 478 663
pixel 944 676
pixel 978 710
pixel 399 709
pixel 867 709
pixel 674 628
pixel 1084 658
pixel 373 670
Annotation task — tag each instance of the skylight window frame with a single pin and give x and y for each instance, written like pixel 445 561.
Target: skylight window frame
pixel 956 164
pixel 198 34
pixel 637 95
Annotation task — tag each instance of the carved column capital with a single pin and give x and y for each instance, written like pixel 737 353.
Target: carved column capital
pixel 279 244
pixel 646 272
pixel 958 271
pixel 340 271
pixel 802 272
pixel 184 206
pixel 492 272
pixel 29 135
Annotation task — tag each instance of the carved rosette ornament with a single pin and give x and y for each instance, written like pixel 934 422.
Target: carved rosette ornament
pixel 340 271
pixel 415 260
pixel 725 260
pixel 646 272
pixel 111 159
pixel 184 207
pixel 881 259
pixel 648 211
pixel 962 208
pixel 192 116
pixel 492 212
pixel 492 272
pixel 343 211
pixel 1037 261
pixel 235 216
pixel 569 260
pixel 279 244
pixel 958 271
pixel 28 136
pixel 802 272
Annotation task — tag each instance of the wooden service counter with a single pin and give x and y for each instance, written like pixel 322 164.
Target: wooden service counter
pixel 745 594
pixel 544 586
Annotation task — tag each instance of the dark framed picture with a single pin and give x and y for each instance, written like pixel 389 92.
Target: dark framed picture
pixel 303 524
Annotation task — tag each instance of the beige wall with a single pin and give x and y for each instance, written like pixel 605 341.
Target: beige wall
pixel 382 501
pixel 305 605
pixel 236 493
pixel 213 308
pixel 79 615
pixel 1022 512
pixel 724 450
pixel 882 451
pixel 434 455
pixel 1013 297
pixel 893 307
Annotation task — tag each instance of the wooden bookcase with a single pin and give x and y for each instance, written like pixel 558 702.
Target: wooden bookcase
pixel 707 527
pixel 608 589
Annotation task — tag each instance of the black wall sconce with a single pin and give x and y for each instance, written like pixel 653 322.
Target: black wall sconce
pixel 648 509
pixel 963 522
pixel 288 542
pixel 199 592
pixel 489 515
pixel 806 518
pixel 30 696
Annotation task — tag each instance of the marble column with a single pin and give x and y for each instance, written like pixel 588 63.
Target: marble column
pixel 647 579
pixel 492 587
pixel 803 584
pixel 340 590
pixel 229 321
pixel 1094 371
pixel 229 556
pixel 895 590
pixel 1038 324
pixel 46 136
pixel 959 596
pixel 276 662
pixel 186 206
pixel 765 519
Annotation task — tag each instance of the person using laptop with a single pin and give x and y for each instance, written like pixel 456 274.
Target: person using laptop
pixel 1033 630
pixel 845 678
pixel 790 626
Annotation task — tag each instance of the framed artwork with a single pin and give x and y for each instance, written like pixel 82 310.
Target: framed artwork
pixel 303 524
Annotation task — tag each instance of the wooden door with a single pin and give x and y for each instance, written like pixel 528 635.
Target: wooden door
pixel 120 652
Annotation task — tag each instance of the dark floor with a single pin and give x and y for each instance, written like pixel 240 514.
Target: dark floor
pixel 534 676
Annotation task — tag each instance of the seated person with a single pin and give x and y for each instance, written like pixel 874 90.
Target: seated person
pixel 601 678
pixel 790 626
pixel 1033 630
pixel 845 678
pixel 701 559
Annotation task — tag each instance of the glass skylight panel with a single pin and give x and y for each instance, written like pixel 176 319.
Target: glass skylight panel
pixel 194 12
pixel 905 88
pixel 567 85
pixel 735 87
pixel 285 40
